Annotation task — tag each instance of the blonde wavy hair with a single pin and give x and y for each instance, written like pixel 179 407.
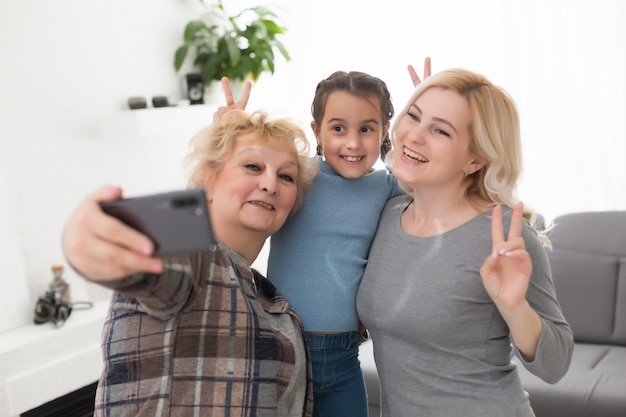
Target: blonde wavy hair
pixel 210 148
pixel 495 136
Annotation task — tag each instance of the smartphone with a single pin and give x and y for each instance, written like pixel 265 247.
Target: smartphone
pixel 177 222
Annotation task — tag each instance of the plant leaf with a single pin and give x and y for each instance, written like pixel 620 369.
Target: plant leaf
pixel 179 57
pixel 192 29
pixel 272 27
pixel 283 51
pixel 234 52
pixel 263 12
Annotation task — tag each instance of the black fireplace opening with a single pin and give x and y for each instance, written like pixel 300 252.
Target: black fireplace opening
pixel 75 404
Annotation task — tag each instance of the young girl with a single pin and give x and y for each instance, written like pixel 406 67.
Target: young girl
pixel 318 258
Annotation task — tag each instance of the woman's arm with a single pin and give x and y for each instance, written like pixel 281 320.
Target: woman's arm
pixel 538 329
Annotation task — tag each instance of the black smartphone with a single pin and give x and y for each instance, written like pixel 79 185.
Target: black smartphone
pixel 177 222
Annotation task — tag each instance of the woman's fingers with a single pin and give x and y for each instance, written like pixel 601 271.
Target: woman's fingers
pixel 413 74
pixel 217 115
pixel 497 231
pixel 228 92
pixel 104 261
pixel 516 221
pixel 414 77
pixel 102 247
pixel 112 231
pixel 427 70
pixel 245 95
pixel 230 99
pixel 514 240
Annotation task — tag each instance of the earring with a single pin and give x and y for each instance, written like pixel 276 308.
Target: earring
pixel 320 149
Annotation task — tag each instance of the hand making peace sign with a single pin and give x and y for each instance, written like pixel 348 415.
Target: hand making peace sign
pixel 414 77
pixel 506 272
pixel 230 100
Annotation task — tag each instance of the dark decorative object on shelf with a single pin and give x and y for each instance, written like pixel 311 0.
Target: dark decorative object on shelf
pixel 240 46
pixel 160 101
pixel 137 103
pixel 50 309
pixel 55 305
pixel 195 88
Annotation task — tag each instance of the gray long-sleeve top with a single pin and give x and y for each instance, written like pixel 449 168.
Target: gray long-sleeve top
pixel 441 346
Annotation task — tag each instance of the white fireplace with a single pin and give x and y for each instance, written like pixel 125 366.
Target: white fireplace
pixel 39 363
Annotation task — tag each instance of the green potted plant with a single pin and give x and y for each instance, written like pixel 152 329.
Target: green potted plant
pixel 241 46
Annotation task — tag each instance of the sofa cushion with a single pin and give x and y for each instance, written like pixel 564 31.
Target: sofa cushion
pixel 589 270
pixel 586 285
pixel 595 385
pixel 600 232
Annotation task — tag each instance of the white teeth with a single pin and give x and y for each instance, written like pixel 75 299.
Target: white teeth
pixel 353 158
pixel 415 155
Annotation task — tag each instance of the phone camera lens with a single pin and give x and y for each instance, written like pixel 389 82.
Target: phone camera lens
pixel 184 202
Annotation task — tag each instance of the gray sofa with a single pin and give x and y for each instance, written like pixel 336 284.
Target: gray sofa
pixel 588 263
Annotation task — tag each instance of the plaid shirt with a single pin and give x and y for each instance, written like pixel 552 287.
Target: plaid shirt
pixel 208 337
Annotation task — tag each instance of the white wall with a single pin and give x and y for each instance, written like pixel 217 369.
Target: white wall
pixel 66 64
pixel 17 303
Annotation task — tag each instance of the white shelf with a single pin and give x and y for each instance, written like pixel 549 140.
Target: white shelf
pixel 177 121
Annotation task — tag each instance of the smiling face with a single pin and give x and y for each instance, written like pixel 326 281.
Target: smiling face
pixel 254 191
pixel 433 141
pixel 351 132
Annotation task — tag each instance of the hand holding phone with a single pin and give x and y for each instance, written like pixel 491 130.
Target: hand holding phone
pixel 177 222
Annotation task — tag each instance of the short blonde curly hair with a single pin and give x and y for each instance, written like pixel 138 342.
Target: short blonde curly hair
pixel 212 146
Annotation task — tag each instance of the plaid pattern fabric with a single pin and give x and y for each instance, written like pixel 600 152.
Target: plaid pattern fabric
pixel 208 337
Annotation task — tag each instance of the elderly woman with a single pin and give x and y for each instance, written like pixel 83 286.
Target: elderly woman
pixel 204 333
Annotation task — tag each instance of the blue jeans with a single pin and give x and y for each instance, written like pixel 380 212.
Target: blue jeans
pixel 338 385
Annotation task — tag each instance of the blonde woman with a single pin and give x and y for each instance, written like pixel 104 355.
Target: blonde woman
pixel 457 280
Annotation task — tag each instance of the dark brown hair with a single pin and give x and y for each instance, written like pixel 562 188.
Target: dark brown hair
pixel 358 84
